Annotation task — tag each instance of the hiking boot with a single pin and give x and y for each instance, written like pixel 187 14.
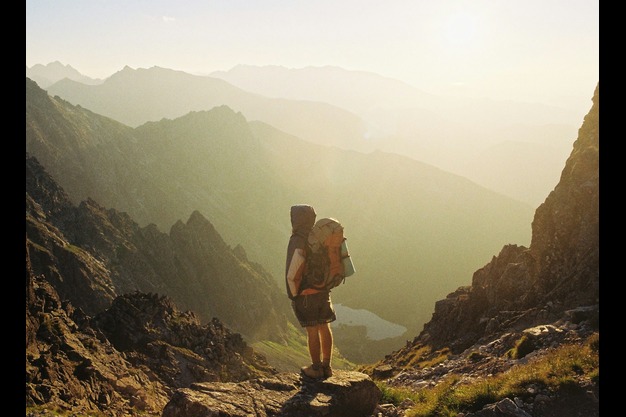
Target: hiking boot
pixel 328 371
pixel 314 371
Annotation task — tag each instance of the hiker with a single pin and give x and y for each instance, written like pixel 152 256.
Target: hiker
pixel 313 308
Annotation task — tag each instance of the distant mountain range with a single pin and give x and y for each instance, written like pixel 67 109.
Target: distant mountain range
pixel 404 219
pixel 474 138
pixel 467 136
pixel 46 75
pixel 135 97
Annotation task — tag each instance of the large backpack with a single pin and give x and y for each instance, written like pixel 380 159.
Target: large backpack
pixel 328 261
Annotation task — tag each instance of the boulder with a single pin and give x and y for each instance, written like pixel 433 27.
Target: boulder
pixel 345 394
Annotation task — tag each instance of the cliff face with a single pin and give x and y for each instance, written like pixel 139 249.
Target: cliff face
pixel 521 286
pixel 524 287
pixel 565 234
pixel 545 297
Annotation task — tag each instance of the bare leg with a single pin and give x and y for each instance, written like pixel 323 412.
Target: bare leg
pixel 313 341
pixel 326 342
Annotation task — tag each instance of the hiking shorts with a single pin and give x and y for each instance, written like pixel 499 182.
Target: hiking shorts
pixel 314 309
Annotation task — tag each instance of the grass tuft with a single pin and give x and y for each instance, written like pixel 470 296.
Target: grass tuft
pixel 523 347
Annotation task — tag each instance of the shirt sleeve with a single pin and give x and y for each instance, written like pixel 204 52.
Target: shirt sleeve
pixel 294 273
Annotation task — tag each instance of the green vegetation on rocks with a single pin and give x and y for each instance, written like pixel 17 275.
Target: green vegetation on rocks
pixel 560 369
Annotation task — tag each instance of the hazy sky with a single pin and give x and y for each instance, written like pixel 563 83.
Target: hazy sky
pixel 532 50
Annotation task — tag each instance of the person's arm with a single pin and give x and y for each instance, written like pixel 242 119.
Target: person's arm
pixel 294 273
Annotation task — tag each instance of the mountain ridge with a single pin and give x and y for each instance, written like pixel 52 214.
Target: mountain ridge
pixel 46 75
pixel 455 134
pixel 356 110
pixel 137 96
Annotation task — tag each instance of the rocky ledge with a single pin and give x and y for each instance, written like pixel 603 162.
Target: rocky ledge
pixel 345 394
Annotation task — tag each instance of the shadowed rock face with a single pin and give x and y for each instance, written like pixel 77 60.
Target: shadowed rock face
pixel 153 333
pixel 72 366
pixel 565 234
pixel 345 394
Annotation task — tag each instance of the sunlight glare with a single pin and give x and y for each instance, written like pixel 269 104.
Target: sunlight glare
pixel 460 29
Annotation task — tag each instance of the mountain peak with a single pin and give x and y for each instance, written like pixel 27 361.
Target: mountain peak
pixel 196 219
pixel 127 70
pixel 55 65
pixel 46 75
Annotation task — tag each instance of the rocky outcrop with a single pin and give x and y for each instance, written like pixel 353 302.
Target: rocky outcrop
pixel 180 350
pixel 129 359
pixel 345 394
pixel 565 230
pixel 72 366
pixel 522 286
pixel 486 359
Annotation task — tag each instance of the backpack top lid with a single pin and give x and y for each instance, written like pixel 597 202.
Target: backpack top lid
pixel 327 232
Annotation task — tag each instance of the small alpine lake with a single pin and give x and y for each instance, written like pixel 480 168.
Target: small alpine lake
pixel 377 327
